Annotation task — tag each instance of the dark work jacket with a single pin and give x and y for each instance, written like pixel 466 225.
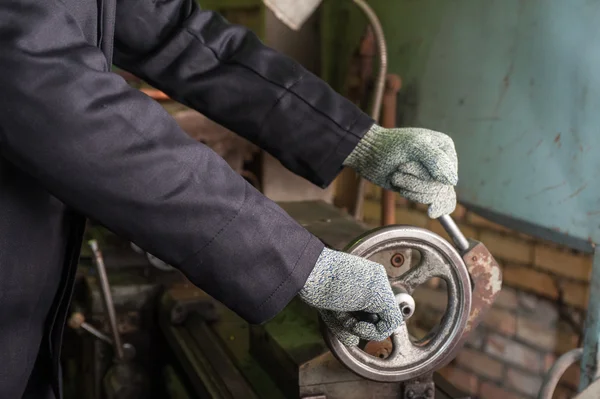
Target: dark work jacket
pixel 76 141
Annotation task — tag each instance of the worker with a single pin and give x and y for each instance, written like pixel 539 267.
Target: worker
pixel 77 141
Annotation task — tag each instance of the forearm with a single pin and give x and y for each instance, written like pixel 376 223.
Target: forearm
pixel 227 74
pixel 116 156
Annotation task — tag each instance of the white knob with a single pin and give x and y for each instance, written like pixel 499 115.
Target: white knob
pixel 406 303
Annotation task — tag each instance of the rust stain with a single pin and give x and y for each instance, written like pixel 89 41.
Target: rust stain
pixel 506 80
pixel 539 143
pixel 593 213
pixel 578 191
pixel 543 190
pixel 381 349
pixel 505 86
pixel 486 277
pixel 557 140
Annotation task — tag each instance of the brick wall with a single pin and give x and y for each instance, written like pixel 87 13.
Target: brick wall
pixel 537 316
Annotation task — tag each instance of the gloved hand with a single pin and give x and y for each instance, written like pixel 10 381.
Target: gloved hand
pixel 341 283
pixel 419 164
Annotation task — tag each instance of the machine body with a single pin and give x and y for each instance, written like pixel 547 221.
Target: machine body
pixel 197 348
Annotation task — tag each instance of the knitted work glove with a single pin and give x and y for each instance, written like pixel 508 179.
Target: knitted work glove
pixel 419 164
pixel 340 284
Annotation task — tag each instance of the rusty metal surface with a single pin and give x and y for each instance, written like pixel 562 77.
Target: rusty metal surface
pixel 486 278
pixel 380 349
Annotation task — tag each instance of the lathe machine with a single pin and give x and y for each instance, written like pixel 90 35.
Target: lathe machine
pixel 140 330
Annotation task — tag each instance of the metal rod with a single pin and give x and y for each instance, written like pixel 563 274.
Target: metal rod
pixel 77 321
pixel 108 301
pixel 388 120
pixel 557 370
pixel 379 87
pixel 454 232
pixel 96 333
pixel 590 361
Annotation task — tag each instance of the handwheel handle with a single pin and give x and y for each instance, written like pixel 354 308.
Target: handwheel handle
pixel 372 318
pixel 454 232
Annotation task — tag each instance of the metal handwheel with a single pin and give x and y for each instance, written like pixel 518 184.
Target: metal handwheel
pixel 396 247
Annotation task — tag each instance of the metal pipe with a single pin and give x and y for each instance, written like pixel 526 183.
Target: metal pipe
pixel 379 87
pixel 388 208
pixel 108 301
pixel 590 362
pixel 388 120
pixel 454 232
pixel 557 370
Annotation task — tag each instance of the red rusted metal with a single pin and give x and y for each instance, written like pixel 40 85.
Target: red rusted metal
pixel 388 119
pixel 380 349
pixel 486 278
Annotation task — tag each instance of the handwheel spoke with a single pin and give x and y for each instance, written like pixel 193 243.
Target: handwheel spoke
pixel 403 349
pixel 431 265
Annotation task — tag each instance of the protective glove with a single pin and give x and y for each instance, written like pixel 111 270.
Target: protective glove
pixel 419 164
pixel 340 284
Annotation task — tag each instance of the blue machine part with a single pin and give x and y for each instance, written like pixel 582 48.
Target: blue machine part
pixel 517 86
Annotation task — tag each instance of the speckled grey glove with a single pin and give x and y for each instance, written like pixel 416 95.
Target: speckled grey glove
pixel 419 164
pixel 340 284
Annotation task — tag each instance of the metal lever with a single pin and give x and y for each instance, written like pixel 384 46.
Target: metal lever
pixel 108 301
pixel 454 232
pixel 77 321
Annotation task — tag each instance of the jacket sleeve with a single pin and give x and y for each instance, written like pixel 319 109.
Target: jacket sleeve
pixel 113 154
pixel 227 74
